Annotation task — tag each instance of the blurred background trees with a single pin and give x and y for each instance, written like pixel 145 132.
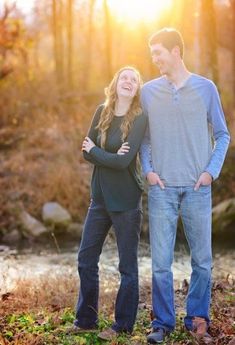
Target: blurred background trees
pixel 55 61
pixel 78 44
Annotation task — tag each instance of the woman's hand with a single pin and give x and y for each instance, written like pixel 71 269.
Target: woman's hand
pixel 87 144
pixel 125 148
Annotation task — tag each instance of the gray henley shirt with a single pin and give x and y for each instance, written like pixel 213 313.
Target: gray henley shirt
pixel 187 132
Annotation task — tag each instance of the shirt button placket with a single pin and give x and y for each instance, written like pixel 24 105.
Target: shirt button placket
pixel 176 96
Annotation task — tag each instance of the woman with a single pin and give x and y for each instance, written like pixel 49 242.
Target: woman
pixel 112 144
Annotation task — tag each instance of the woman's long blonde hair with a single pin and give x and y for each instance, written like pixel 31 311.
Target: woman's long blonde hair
pixel 108 111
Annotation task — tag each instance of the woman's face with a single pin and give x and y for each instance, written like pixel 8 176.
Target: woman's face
pixel 127 84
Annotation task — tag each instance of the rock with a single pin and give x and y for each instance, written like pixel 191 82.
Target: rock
pixel 55 214
pixel 11 237
pixel 4 248
pixel 224 215
pixel 14 195
pixel 75 229
pixel 232 342
pixel 32 226
pixel 224 206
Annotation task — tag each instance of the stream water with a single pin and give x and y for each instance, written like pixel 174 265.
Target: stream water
pixel 36 262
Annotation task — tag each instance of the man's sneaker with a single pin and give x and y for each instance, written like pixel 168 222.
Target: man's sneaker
pixel 199 330
pixel 107 334
pixel 158 335
pixel 76 330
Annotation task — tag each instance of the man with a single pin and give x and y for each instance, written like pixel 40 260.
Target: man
pixel 182 153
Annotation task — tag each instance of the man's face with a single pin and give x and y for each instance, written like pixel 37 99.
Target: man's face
pixel 162 58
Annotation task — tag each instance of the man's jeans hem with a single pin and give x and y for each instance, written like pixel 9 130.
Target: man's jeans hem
pixel 188 322
pixel 156 325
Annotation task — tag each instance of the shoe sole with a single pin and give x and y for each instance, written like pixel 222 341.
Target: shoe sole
pixel 151 341
pixel 108 338
pixel 202 338
pixel 79 331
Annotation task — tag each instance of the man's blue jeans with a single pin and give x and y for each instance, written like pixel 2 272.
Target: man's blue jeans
pixel 127 230
pixel 194 207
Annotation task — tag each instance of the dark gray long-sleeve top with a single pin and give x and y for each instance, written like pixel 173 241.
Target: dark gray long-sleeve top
pixel 115 178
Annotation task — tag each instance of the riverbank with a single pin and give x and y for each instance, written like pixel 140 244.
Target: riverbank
pixel 40 311
pixel 39 289
pixel 35 262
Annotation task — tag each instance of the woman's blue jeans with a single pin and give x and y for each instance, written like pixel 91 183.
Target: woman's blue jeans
pixel 194 207
pixel 127 230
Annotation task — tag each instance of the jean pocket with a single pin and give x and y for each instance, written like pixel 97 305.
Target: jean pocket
pixel 153 185
pixel 205 189
pixel 205 186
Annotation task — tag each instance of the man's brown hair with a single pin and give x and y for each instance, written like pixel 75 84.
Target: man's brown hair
pixel 169 38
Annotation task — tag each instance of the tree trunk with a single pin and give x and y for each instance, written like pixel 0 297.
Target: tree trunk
pixel 177 10
pixel 108 39
pixel 58 39
pixel 55 37
pixel 61 46
pixel 70 4
pixel 232 3
pixel 88 53
pixel 197 57
pixel 208 40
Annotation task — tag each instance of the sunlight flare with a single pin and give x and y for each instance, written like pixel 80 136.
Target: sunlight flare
pixel 132 11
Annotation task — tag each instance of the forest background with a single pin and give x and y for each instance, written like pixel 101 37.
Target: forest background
pixel 55 61
pixel 56 58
